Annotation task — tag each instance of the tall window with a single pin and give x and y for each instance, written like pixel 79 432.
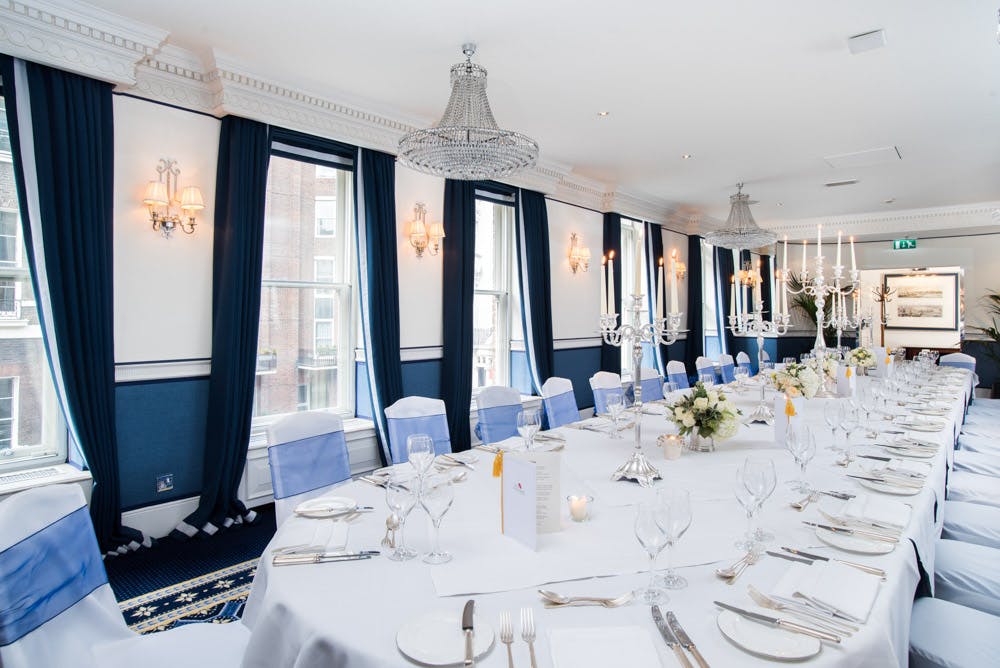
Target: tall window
pixel 305 347
pixel 495 316
pixel 713 344
pixel 32 431
pixel 633 252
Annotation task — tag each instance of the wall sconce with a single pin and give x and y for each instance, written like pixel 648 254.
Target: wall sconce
pixel 161 200
pixel 579 256
pixel 422 238
pixel 679 268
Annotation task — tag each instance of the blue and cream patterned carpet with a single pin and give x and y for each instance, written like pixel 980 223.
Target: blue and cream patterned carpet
pixel 184 582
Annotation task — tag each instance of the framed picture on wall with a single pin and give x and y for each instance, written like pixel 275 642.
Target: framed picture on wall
pixel 922 301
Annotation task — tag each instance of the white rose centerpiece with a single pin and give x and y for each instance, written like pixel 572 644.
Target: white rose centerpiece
pixel 862 358
pixel 706 415
pixel 797 380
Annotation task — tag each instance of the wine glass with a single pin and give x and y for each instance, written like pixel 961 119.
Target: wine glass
pixel 832 417
pixel 653 539
pixel 436 496
pixel 801 443
pixel 762 535
pixel 707 379
pixel 760 479
pixel 788 360
pixel 420 452
pixel 674 518
pixel 746 543
pixel 742 375
pixel 401 497
pixel 616 405
pixel 528 424
pixel 850 422
pixel 669 388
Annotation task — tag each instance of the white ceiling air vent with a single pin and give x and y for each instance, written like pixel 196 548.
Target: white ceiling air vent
pixel 866 158
pixel 845 182
pixel 866 41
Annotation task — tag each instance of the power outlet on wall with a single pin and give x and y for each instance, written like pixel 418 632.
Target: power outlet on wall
pixel 164 483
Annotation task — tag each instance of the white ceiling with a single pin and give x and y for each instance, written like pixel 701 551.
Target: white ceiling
pixel 759 92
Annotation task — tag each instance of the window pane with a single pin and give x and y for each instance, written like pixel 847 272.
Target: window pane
pixel 487 245
pixel 325 270
pixel 9 226
pixel 326 215
pixel 486 341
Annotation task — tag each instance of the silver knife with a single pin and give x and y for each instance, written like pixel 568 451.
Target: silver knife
pixel 669 637
pixel 296 559
pixel 789 625
pixel 470 658
pixel 684 639
pixel 789 557
pixel 861 567
pixel 458 462
pixel 851 532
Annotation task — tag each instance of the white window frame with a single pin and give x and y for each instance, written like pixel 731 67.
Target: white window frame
pixel 503 259
pixel 708 294
pixel 14 394
pixel 16 262
pixel 316 218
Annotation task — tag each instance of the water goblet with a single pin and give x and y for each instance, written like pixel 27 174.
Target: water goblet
pixel 707 379
pixel 831 415
pixel 747 542
pixel 420 452
pixel 760 479
pixel 616 406
pixel 436 496
pixel 401 497
pixel 674 518
pixel 653 539
pixel 528 424
pixel 788 360
pixel 801 443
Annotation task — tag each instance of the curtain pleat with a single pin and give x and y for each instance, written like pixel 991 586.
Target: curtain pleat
pixel 379 280
pixel 458 250
pixel 723 289
pixel 241 190
pixel 695 347
pixel 654 252
pixel 766 271
pixel 535 283
pixel 611 356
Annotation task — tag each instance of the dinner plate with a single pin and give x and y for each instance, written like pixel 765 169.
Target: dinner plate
pixel 929 426
pixel 437 639
pixel 890 489
pixel 850 543
pixel 912 453
pixel 325 506
pixel 933 411
pixel 766 641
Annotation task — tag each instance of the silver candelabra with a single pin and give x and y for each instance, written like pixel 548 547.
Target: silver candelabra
pixel 753 324
pixel 661 331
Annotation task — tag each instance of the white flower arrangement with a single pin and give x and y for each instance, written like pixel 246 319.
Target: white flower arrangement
pixel 862 357
pixel 827 366
pixel 707 412
pixel 797 380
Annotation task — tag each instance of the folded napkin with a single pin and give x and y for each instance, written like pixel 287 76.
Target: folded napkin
pixel 834 585
pixel 871 508
pixel 909 466
pixel 601 647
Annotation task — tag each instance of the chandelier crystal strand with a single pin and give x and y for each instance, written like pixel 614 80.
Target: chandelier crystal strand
pixel 741 230
pixel 467 144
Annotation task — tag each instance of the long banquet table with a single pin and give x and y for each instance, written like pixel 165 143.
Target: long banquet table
pixel 347 614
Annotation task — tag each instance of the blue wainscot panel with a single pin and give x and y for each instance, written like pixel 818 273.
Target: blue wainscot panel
pixel 520 374
pixel 422 378
pixel 579 364
pixel 161 430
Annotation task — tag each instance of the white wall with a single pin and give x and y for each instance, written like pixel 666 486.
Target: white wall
pixel 163 288
pixel 576 298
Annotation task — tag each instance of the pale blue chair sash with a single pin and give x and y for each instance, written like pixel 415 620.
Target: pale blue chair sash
pixel 47 573
pixel 971 366
pixel 747 366
pixel 727 373
pixel 601 395
pixel 497 423
pixel 680 378
pixel 652 389
pixel 307 464
pixel 561 409
pixel 435 426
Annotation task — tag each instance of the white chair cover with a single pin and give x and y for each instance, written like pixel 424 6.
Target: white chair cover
pixel 308 455
pixel 497 408
pixel 743 361
pixel 727 368
pixel 981 440
pixel 651 384
pixel 417 415
pixel 947 635
pixel 559 402
pixel 705 365
pixel 972 523
pixel 968 574
pixel 959 360
pixel 677 373
pixel 977 462
pixel 973 487
pixel 605 384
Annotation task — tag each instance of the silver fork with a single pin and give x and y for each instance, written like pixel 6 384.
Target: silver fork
pixel 528 632
pixel 507 636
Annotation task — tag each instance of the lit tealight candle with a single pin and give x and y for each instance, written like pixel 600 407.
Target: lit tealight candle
pixel 672 446
pixel 579 507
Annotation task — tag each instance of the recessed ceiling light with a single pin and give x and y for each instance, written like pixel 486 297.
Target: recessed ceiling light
pixel 889 201
pixel 604 114
pixel 686 156
pixel 781 204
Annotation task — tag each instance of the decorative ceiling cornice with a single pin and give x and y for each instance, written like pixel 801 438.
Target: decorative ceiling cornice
pixel 77 37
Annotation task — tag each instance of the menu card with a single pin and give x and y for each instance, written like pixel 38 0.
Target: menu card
pixel 846 380
pixel 529 496
pixel 781 417
pixel 883 362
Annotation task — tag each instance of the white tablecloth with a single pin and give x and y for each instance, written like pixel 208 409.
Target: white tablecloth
pixel 347 614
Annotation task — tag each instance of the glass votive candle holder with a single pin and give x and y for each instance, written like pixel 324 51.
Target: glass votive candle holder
pixel 580 507
pixel 672 445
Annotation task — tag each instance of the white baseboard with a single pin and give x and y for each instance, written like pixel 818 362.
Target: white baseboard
pixel 159 520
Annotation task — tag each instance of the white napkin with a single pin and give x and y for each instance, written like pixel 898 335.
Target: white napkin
pixel 909 466
pixel 830 583
pixel 872 508
pixel 601 647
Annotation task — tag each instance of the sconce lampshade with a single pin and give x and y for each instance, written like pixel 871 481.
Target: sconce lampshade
pixel 418 229
pixel 191 199
pixel 156 194
pixel 437 231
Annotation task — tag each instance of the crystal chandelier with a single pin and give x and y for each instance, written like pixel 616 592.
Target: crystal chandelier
pixel 467 143
pixel 741 231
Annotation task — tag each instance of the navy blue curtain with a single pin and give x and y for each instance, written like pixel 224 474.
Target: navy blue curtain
pixel 458 251
pixel 695 321
pixel 611 356
pixel 72 142
pixel 376 238
pixel 766 271
pixel 654 253
pixel 723 289
pixel 536 285
pixel 240 193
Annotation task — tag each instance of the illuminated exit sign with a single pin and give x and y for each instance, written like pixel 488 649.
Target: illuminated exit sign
pixel 904 244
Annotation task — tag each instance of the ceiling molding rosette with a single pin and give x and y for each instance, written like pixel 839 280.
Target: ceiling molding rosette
pixel 78 38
